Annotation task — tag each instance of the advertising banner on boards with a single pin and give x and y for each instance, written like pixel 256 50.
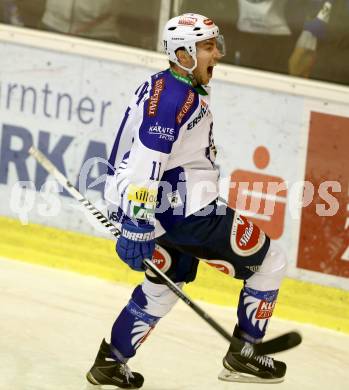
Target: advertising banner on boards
pixel 324 234
pixel 282 159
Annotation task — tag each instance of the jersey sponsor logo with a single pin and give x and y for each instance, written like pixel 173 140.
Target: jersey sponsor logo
pixel 222 266
pixel 187 21
pixel 186 106
pixel 162 259
pixel 203 111
pixel 144 213
pixel 166 133
pixel 155 96
pixel 174 199
pixel 265 309
pixel 142 195
pixel 246 239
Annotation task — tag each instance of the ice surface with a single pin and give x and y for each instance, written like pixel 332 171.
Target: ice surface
pixel 52 322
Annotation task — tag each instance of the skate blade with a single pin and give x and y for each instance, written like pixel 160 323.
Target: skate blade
pixel 236 376
pixel 92 384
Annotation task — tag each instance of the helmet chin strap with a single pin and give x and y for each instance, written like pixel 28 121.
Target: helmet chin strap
pixel 190 70
pixel 193 80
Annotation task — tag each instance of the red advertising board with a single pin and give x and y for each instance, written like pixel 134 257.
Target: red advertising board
pixel 260 196
pixel 324 238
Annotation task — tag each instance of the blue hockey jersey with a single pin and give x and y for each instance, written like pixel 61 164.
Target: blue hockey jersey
pixel 161 167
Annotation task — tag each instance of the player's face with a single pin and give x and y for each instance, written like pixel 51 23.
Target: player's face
pixel 207 55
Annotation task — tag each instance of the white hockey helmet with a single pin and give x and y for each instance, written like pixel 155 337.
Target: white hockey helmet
pixel 184 31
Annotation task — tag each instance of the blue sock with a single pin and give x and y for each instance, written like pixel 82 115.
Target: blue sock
pixel 254 311
pixel 132 327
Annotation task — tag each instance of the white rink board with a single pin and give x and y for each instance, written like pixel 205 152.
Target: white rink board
pixel 107 84
pixel 99 91
pixel 53 323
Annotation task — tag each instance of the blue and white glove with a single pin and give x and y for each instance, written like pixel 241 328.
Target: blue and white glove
pixel 135 244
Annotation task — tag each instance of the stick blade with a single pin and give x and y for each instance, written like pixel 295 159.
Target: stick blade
pixel 278 344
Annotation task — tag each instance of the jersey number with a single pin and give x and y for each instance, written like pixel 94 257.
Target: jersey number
pixel 155 174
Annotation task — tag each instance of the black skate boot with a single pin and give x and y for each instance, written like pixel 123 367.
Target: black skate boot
pixel 106 371
pixel 244 366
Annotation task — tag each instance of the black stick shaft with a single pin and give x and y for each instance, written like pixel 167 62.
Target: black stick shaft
pixel 278 344
pixel 42 160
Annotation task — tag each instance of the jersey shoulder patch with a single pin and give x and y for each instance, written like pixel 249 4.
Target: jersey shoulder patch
pixel 158 86
pixel 187 106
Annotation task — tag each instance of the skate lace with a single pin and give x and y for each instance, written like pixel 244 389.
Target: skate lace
pixel 247 351
pixel 265 360
pixel 125 370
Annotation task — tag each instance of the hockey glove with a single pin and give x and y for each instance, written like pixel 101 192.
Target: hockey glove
pixel 135 244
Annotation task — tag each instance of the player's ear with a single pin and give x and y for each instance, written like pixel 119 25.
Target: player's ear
pixel 184 58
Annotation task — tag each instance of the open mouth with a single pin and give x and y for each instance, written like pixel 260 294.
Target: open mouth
pixel 210 71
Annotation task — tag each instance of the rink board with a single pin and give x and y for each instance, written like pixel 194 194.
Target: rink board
pixel 69 102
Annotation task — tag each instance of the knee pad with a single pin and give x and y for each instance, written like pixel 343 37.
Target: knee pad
pixel 271 272
pixel 158 298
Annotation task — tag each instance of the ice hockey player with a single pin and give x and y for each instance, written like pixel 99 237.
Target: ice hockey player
pixel 162 189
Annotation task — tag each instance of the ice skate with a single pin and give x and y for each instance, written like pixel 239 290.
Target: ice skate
pixel 106 371
pixel 245 366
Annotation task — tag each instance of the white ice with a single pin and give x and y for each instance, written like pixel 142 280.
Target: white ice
pixel 52 322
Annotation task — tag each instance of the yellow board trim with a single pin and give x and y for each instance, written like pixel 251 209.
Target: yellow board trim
pixel 298 301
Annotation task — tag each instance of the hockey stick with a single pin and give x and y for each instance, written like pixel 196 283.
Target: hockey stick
pixel 278 344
